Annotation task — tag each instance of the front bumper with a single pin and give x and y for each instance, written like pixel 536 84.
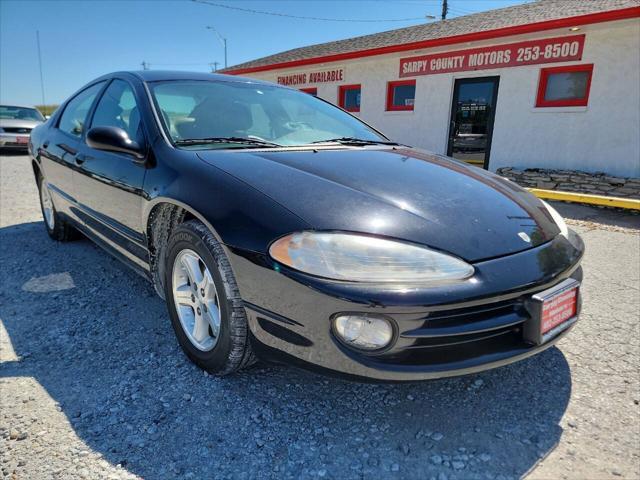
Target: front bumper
pixel 443 331
pixel 14 140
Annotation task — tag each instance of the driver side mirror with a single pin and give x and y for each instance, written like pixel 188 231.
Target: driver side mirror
pixel 114 139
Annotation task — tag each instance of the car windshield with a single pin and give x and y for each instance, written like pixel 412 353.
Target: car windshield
pixel 20 113
pixel 216 114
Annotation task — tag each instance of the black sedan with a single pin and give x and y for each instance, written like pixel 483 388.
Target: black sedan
pixel 277 225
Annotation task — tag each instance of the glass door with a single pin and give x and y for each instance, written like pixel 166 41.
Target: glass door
pixel 473 110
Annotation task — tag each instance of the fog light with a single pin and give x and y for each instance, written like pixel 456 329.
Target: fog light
pixel 362 331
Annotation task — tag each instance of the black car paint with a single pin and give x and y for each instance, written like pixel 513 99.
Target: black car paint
pixel 249 198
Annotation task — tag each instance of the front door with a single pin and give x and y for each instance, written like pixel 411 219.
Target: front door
pixel 108 185
pixel 473 110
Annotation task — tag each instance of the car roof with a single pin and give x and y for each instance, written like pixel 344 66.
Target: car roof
pixel 167 75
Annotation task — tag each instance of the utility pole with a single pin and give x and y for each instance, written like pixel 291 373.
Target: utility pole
pixel 145 65
pixel 214 66
pixel 445 9
pixel 40 66
pixel 222 40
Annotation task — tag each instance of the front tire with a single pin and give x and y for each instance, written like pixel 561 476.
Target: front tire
pixel 204 303
pixel 57 227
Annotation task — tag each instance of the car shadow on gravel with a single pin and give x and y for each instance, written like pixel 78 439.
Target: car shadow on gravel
pixel 97 338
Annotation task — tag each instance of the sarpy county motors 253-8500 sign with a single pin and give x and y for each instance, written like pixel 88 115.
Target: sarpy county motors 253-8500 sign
pixel 532 52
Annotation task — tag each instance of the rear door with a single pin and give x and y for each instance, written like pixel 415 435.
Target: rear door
pixel 109 184
pixel 61 145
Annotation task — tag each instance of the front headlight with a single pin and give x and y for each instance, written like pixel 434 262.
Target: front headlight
pixel 361 258
pixel 564 230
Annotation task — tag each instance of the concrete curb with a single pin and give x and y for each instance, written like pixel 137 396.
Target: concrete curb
pixel 601 200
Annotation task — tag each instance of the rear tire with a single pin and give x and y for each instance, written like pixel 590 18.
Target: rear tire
pixel 57 227
pixel 204 303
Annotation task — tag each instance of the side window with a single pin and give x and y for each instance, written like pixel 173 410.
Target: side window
pixel 118 108
pixel 75 113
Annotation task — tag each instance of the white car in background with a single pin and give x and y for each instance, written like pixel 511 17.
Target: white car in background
pixel 16 123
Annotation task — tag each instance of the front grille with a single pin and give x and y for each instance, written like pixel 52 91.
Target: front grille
pixel 16 130
pixel 463 324
pixel 458 335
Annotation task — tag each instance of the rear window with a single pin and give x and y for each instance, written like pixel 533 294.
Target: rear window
pixel 74 117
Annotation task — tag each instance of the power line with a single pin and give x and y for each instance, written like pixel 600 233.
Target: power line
pixel 213 65
pixel 323 19
pixel 461 10
pixel 180 64
pixel 458 13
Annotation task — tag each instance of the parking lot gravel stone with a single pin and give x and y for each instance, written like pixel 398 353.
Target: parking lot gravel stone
pixel 93 384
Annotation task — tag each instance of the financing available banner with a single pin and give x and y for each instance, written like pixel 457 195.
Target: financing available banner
pixel 531 52
pixel 313 77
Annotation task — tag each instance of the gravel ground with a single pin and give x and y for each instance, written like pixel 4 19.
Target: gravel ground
pixel 93 384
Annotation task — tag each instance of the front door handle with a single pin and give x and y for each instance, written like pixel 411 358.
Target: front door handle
pixel 81 158
pixel 68 149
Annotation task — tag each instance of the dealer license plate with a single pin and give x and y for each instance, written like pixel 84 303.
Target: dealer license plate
pixel 23 140
pixel 552 311
pixel 558 309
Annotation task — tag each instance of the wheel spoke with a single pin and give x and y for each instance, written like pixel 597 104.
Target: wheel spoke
pixel 208 287
pixel 192 265
pixel 184 296
pixel 187 316
pixel 200 330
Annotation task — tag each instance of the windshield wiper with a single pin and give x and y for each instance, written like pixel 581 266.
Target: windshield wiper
pixel 355 141
pixel 241 140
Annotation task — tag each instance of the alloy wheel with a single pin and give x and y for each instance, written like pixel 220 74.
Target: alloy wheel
pixel 196 300
pixel 47 206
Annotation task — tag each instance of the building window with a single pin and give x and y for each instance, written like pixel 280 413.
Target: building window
pixel 401 95
pixel 311 91
pixel 349 97
pixel 564 86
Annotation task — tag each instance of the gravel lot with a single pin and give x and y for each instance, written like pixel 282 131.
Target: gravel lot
pixel 93 384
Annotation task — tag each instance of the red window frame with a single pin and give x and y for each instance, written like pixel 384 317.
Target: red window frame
pixel 310 90
pixel 390 86
pixel 342 89
pixel 575 102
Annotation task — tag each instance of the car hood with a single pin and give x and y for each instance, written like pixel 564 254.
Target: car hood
pixel 402 193
pixel 16 123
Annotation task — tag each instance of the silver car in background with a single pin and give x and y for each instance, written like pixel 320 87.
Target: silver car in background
pixel 16 123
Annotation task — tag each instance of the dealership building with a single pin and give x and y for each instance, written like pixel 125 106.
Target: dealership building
pixel 551 85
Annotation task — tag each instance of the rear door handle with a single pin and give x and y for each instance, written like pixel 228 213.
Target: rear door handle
pixel 81 158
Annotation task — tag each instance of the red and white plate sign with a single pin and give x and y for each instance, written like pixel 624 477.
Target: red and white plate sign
pixel 531 52
pixel 559 309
